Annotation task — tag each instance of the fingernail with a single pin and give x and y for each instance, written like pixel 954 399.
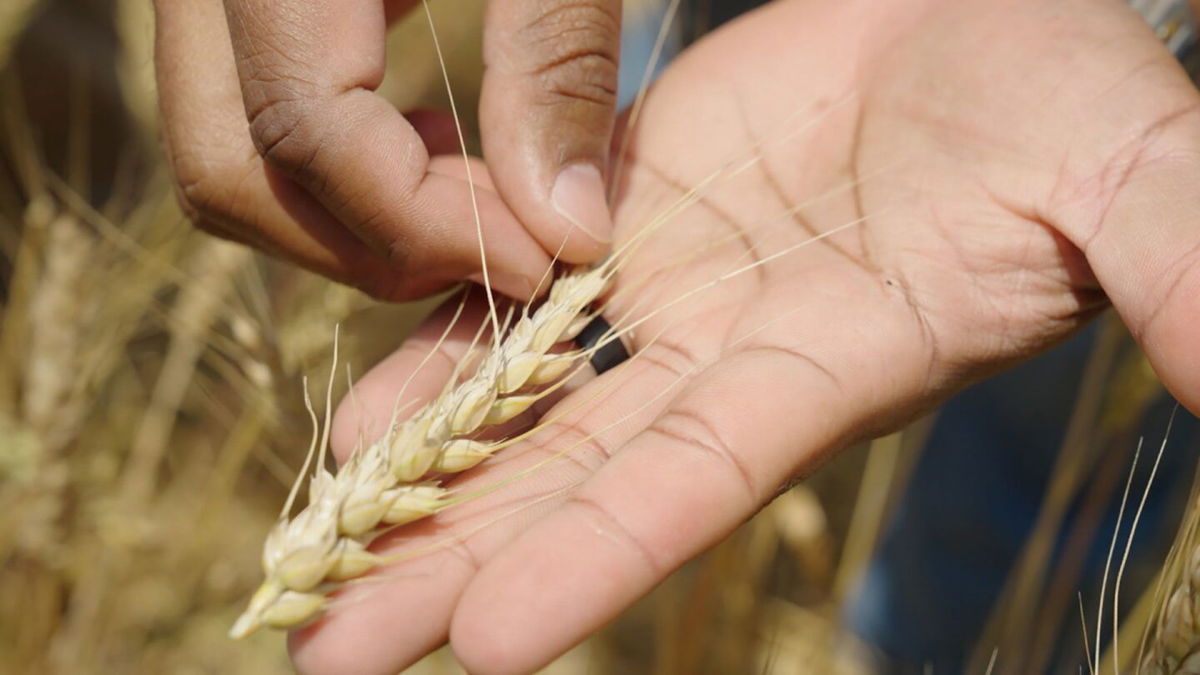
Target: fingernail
pixel 578 196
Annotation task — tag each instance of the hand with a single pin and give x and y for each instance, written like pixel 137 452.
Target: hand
pixel 328 174
pixel 1018 164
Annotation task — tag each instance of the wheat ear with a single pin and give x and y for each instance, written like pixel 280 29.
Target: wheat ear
pixel 380 486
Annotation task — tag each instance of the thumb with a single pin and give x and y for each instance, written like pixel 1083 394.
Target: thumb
pixel 1146 254
pixel 546 116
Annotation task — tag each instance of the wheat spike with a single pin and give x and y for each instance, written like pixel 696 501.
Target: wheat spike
pixel 380 485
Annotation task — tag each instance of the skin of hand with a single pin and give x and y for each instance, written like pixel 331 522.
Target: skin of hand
pixel 277 139
pixel 1020 165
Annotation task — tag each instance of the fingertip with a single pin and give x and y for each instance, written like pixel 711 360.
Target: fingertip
pixel 306 659
pixel 328 646
pixel 565 210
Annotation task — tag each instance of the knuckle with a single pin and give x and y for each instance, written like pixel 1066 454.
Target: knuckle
pixel 574 442
pixel 284 135
pixel 199 192
pixel 602 520
pixel 399 253
pixel 209 189
pixel 692 432
pixel 194 201
pixel 581 79
pixel 574 53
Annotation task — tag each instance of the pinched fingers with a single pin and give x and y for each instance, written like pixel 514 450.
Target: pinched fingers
pixel 220 181
pixel 548 102
pixel 280 142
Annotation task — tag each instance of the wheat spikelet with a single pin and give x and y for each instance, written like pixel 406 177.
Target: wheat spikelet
pixel 1174 647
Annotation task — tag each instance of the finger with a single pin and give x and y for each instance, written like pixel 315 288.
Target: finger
pixel 1135 214
pixel 360 632
pixel 546 115
pixel 1146 255
pixel 722 449
pixel 308 71
pixel 219 178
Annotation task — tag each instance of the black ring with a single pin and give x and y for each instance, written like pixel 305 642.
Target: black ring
pixel 610 354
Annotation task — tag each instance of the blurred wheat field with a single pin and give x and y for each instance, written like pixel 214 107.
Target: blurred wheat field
pixel 152 418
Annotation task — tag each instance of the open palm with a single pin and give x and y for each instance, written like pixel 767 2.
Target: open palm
pixel 1009 168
